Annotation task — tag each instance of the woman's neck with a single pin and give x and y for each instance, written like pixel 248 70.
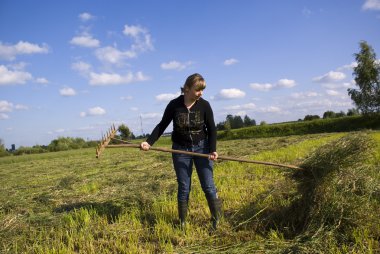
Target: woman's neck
pixel 189 102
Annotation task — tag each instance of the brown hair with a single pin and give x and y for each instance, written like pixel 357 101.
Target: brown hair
pixel 195 79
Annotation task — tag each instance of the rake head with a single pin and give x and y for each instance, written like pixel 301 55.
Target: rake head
pixel 105 140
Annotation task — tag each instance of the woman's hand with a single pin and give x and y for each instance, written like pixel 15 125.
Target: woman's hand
pixel 144 146
pixel 213 156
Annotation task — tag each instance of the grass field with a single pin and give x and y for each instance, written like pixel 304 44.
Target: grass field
pixel 125 202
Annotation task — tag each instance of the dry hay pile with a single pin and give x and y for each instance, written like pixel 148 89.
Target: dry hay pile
pixel 341 195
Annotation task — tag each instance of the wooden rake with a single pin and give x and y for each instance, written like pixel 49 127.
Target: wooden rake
pixel 110 135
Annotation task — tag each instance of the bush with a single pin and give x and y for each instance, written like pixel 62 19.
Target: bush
pixel 29 150
pixel 63 144
pixel 342 124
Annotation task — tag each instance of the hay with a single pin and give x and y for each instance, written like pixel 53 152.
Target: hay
pixel 340 191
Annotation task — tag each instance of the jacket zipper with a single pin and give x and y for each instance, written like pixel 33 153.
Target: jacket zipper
pixel 188 120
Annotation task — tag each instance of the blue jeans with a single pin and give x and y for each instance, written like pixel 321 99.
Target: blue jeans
pixel 183 166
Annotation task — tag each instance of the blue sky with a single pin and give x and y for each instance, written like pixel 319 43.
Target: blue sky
pixel 72 68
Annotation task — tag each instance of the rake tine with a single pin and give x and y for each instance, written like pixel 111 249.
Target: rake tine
pixel 106 139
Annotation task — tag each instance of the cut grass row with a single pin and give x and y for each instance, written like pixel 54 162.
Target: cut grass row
pixel 68 202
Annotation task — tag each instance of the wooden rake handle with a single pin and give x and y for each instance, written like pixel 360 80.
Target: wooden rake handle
pixel 112 132
pixel 167 150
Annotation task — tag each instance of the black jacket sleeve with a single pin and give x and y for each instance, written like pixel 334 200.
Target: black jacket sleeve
pixel 211 129
pixel 161 127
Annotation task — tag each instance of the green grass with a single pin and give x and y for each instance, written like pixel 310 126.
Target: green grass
pixel 125 202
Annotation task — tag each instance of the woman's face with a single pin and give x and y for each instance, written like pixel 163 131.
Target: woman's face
pixel 195 92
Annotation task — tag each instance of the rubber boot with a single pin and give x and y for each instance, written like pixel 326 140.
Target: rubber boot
pixel 215 206
pixel 182 213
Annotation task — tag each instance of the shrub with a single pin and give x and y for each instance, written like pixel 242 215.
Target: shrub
pixel 342 124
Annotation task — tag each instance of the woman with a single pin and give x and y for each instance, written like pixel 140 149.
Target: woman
pixel 193 130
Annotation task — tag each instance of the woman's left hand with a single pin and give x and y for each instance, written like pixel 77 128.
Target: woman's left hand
pixel 213 156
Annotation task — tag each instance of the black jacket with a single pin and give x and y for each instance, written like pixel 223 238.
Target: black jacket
pixel 189 125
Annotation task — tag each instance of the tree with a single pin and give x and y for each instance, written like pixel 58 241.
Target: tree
pixel 352 112
pixel 227 126
pixel 248 121
pixel 237 122
pixel 340 114
pixel 220 126
pixel 124 131
pixel 3 151
pixel 329 114
pixel 262 123
pixel 367 78
pixel 311 117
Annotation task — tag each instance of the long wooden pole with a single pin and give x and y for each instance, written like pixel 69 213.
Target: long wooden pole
pixel 167 150
pixel 112 132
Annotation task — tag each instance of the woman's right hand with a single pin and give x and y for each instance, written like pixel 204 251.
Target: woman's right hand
pixel 144 146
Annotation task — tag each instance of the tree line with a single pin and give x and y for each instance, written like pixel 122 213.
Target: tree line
pixel 59 144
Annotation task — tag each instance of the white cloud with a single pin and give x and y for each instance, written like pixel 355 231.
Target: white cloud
pixel 17 66
pixel 340 85
pixel 261 87
pixel 348 67
pixel 142 38
pixel 251 107
pixel 248 106
pixel 3 116
pixel 67 91
pixel 105 79
pixel 350 84
pixel 230 61
pixel 95 111
pixel 113 55
pixel 281 83
pixel 42 81
pixel 133 31
pixel 141 42
pixel 11 77
pixel 231 93
pixel 330 77
pixel 303 95
pixel 85 16
pixel 175 65
pixel 21 107
pixel 167 96
pixel 85 40
pixel 321 104
pixel 371 5
pixel 6 106
pixel 81 67
pixel 287 83
pixel 126 98
pixel 9 52
pixel 139 76
pixel 332 92
pixel 270 109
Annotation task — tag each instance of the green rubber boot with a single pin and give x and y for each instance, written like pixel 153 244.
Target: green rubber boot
pixel 182 213
pixel 215 206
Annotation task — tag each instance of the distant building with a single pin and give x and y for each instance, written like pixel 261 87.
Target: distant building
pixel 13 148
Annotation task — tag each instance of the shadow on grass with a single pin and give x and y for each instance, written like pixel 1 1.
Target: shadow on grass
pixel 108 209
